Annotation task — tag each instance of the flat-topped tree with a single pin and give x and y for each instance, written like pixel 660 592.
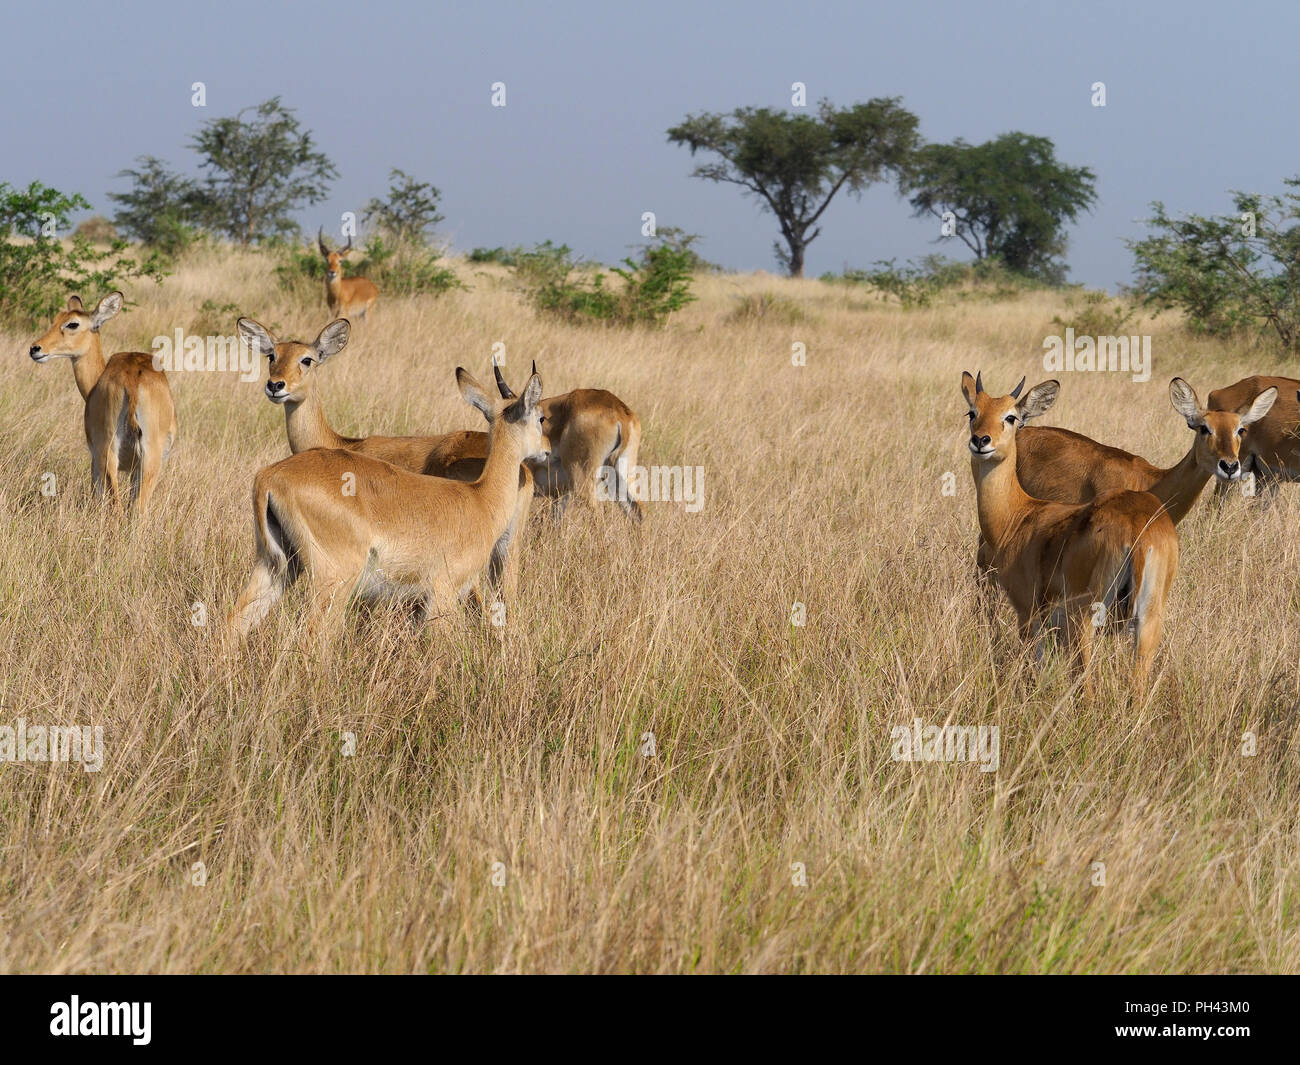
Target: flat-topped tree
pixel 795 163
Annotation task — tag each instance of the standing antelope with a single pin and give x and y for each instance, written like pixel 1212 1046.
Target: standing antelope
pixel 1272 448
pixel 345 295
pixel 1056 560
pixel 1067 467
pixel 460 455
pixel 130 419
pixel 398 533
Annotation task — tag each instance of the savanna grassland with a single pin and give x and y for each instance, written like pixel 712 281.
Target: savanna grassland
pixel 823 486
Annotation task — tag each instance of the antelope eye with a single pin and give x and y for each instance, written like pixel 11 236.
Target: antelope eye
pixel 72 325
pixel 1241 431
pixel 306 361
pixel 1205 430
pixel 970 414
pixel 1010 419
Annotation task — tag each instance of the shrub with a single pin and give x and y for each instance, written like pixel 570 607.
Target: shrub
pixel 38 270
pixel 97 229
pixel 918 284
pixel 503 256
pixel 546 276
pixel 409 213
pixel 767 307
pixel 1227 273
pixel 1097 316
pixel 653 288
pixel 161 209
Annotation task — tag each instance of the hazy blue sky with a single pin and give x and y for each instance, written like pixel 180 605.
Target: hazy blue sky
pixel 1201 99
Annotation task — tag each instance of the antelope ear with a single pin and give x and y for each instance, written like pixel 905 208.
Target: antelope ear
pixel 1262 405
pixel 968 387
pixel 105 309
pixel 333 338
pixel 475 394
pixel 532 393
pixel 256 336
pixel 1183 397
pixel 1038 400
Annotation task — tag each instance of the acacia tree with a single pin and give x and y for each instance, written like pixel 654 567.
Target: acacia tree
pixel 795 164
pixel 1010 198
pixel 260 170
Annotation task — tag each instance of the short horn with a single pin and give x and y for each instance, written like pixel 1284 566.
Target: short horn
pixel 502 387
pixel 979 382
pixel 534 367
pixel 1015 392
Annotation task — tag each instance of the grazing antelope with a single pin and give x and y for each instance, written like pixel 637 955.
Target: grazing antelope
pixel 345 295
pixel 460 455
pixel 397 534
pixel 1271 451
pixel 1056 560
pixel 588 428
pixel 130 419
pixel 1067 467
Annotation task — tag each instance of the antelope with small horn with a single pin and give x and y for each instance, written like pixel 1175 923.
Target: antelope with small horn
pixel 346 296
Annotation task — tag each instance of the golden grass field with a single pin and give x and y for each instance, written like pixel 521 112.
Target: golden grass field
pixel 823 486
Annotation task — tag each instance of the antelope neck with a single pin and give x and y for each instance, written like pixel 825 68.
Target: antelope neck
pixel 306 425
pixel 87 368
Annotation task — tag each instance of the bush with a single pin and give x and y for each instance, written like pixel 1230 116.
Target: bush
pixel 161 209
pixel 767 307
pixel 919 284
pixel 1097 316
pixel 409 213
pixel 405 268
pixel 1229 273
pixel 38 270
pixel 97 229
pixel 653 288
pixel 503 256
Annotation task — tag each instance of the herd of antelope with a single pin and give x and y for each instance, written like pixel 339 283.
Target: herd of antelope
pixel 1078 534
pixel 431 521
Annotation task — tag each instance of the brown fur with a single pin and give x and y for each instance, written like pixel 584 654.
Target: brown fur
pixel 130 419
pixel 1056 560
pixel 459 455
pixel 588 428
pixel 1067 467
pixel 418 538
pixel 1272 447
pixel 346 296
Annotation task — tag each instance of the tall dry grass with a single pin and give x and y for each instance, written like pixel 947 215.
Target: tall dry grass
pixel 823 486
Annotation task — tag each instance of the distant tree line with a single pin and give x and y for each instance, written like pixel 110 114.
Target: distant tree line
pixel 1009 199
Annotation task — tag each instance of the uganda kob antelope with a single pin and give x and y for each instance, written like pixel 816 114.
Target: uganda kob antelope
pixel 1062 565
pixel 359 527
pixel 291 375
pixel 130 420
pixel 1271 450
pixel 1067 467
pixel 346 296
pixel 1070 468
pixel 588 429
